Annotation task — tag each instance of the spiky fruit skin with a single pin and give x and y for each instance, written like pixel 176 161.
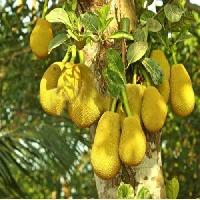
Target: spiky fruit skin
pixel 132 145
pixel 135 94
pixel 159 56
pixel 40 38
pixel 51 99
pixel 164 90
pixel 86 107
pixel 121 112
pixel 105 102
pixel 104 154
pixel 70 81
pixel 154 109
pixel 182 94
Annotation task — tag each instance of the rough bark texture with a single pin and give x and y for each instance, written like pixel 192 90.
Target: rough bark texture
pixel 149 172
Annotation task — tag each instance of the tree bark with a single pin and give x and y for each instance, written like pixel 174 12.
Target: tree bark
pixel 149 172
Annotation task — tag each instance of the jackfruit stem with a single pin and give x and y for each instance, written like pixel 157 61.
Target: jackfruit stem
pixel 73 50
pixel 81 56
pixel 113 106
pixel 45 8
pixel 66 58
pixel 146 77
pixel 174 57
pixel 135 75
pixel 125 102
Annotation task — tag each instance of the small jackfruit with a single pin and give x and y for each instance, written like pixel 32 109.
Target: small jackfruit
pixel 40 38
pixel 159 56
pixel 135 94
pixel 70 81
pixel 182 94
pixel 86 107
pixel 132 145
pixel 154 109
pixel 51 99
pixel 104 154
pixel 164 89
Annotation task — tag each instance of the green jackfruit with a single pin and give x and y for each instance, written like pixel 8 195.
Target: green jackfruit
pixel 164 89
pixel 182 94
pixel 104 154
pixel 40 38
pixel 159 56
pixel 154 109
pixel 86 107
pixel 51 99
pixel 70 81
pixel 135 94
pixel 132 145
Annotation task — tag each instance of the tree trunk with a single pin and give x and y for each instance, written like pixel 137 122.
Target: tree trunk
pixel 149 172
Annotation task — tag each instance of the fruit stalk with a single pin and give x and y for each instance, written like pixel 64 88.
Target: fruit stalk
pixel 45 9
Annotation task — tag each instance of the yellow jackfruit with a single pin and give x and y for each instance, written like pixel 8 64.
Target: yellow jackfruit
pixel 132 145
pixel 104 154
pixel 159 56
pixel 86 107
pixel 105 102
pixel 164 89
pixel 70 81
pixel 182 94
pixel 51 99
pixel 40 38
pixel 154 109
pixel 135 93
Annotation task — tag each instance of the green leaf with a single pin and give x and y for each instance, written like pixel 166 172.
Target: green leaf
pixel 125 191
pixel 136 51
pixel 146 15
pixel 122 35
pixel 183 36
pixel 141 34
pixel 103 13
pixel 114 73
pixel 74 4
pixel 172 188
pixel 114 61
pixel 154 70
pixel 144 193
pixel 57 41
pixel 91 22
pixel 173 12
pixel 58 15
pixel 153 25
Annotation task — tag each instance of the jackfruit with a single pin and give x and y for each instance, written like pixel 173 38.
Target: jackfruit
pixel 104 154
pixel 51 99
pixel 132 145
pixel 159 56
pixel 40 38
pixel 154 109
pixel 70 81
pixel 164 89
pixel 86 107
pixel 105 102
pixel 135 94
pixel 182 94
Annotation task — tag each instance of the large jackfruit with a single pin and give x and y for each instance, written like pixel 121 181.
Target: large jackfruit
pixel 40 38
pixel 70 81
pixel 154 109
pixel 164 89
pixel 51 99
pixel 132 145
pixel 182 94
pixel 159 56
pixel 135 94
pixel 104 154
pixel 86 107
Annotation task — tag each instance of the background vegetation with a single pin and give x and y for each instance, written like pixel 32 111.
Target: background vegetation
pixel 43 156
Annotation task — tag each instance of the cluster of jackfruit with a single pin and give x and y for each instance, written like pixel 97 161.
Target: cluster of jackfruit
pixel 72 86
pixel 148 105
